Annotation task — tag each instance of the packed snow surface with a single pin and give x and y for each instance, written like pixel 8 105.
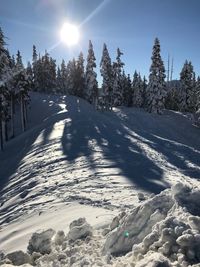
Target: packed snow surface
pixel 82 188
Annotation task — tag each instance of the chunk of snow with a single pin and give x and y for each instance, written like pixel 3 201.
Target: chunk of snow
pixel 59 238
pixel 41 242
pixel 19 257
pixel 79 229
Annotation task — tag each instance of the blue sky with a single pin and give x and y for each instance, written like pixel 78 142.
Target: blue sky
pixel 131 25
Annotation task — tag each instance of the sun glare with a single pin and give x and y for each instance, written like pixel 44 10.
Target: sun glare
pixel 69 34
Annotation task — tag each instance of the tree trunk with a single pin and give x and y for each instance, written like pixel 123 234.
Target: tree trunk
pixel 12 115
pixel 22 112
pixel 6 131
pixel 1 132
pixel 1 136
pixel 25 114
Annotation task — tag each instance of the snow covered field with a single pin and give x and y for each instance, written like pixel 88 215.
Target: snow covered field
pixel 76 162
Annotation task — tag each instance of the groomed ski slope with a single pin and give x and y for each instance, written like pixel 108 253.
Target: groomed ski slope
pixel 76 162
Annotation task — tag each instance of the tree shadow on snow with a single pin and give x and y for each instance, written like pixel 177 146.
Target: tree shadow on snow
pixel 171 135
pixel 17 148
pixel 90 131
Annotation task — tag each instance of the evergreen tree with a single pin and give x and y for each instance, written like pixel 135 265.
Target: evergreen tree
pixel 29 73
pixel 138 91
pixel 79 80
pixel 91 86
pixel 198 93
pixel 127 90
pixel 144 86
pixel 22 84
pixel 52 75
pixel 187 90
pixel 156 90
pixel 19 63
pixel 64 77
pixel 106 72
pixel 59 81
pixel 117 80
pixel 172 98
pixel 45 74
pixel 35 65
pixel 12 94
pixel 4 66
pixel 71 69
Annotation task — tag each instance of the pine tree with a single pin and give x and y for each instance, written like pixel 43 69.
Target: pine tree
pixel 79 76
pixel 19 63
pixel 144 86
pixel 64 72
pixel 12 94
pixel 172 99
pixel 187 90
pixel 156 90
pixel 127 90
pixel 91 85
pixel 197 114
pixel 22 85
pixel 35 64
pixel 117 80
pixel 52 75
pixel 198 93
pixel 4 66
pixel 59 81
pixel 138 91
pixel 106 72
pixel 71 69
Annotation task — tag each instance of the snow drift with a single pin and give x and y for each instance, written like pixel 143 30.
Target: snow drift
pixel 162 231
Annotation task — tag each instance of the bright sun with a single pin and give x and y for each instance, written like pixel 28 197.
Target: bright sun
pixel 69 34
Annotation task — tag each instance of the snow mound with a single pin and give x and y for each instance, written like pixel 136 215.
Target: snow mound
pixel 162 231
pixel 133 227
pixel 168 224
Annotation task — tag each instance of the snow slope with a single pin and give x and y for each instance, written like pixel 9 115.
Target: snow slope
pixel 77 162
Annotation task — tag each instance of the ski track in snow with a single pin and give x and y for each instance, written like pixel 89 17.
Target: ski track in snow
pixel 78 155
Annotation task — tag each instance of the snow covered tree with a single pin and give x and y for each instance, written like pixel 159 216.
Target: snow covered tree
pixel 35 65
pixel 127 90
pixel 59 81
pixel 156 89
pixel 64 72
pixel 4 67
pixel 187 90
pixel 12 94
pixel 22 84
pixel 106 72
pixel 138 90
pixel 79 80
pixel 91 85
pixel 144 85
pixel 29 73
pixel 117 80
pixel 44 70
pixel 172 98
pixel 198 93
pixel 71 70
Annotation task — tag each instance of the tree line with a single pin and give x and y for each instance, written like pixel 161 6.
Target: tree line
pixel 78 78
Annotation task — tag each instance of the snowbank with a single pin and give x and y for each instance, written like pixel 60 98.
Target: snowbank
pixel 162 231
pixel 168 224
